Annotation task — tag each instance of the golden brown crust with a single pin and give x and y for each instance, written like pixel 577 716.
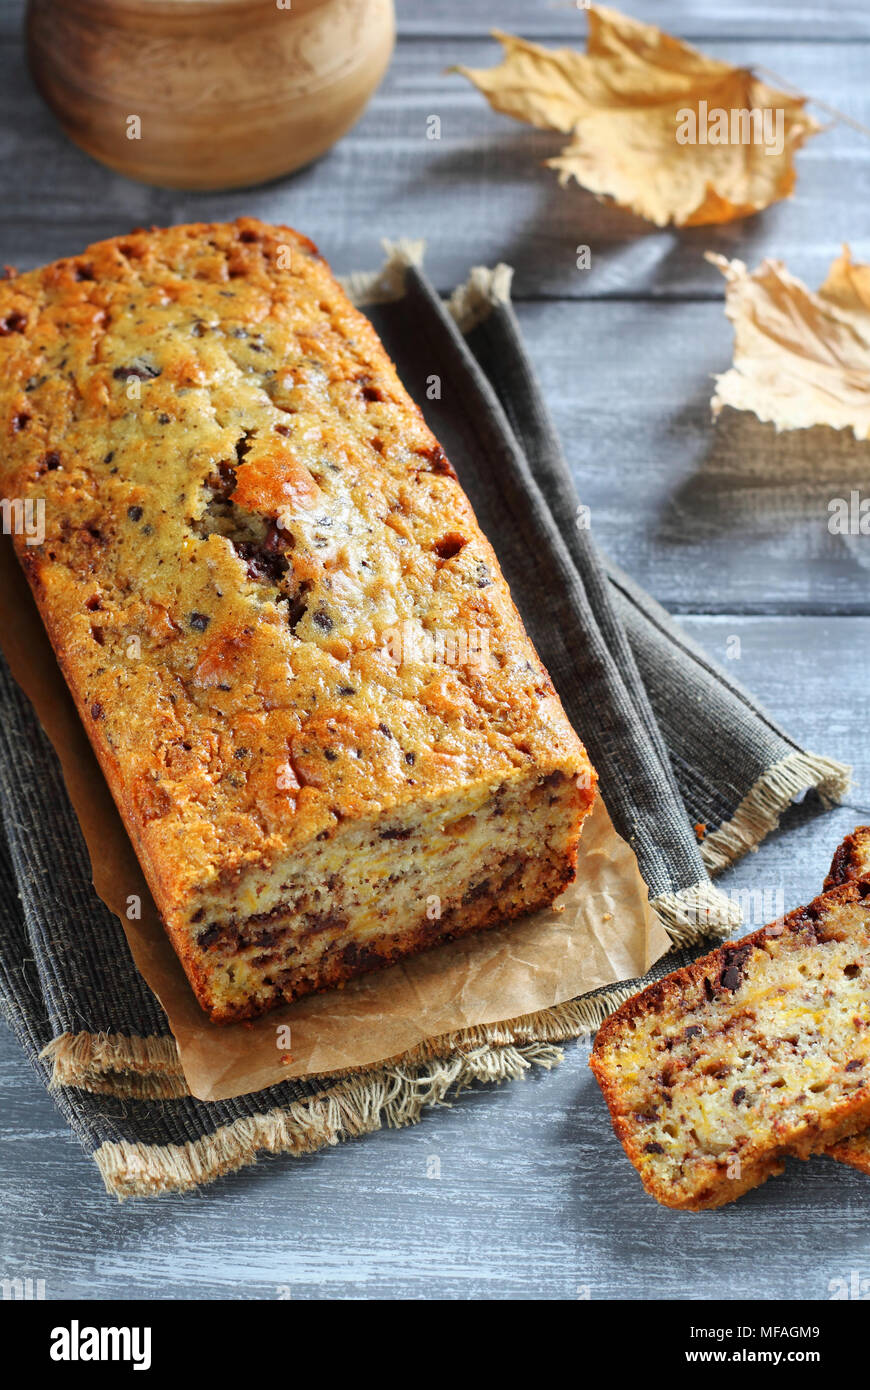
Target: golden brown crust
pixel 854 1151
pixel 852 858
pixel 250 537
pixel 715 1037
pixel 851 862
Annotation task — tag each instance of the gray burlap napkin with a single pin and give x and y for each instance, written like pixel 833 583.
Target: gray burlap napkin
pixel 676 743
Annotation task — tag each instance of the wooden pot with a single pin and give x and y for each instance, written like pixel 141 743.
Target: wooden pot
pixel 208 94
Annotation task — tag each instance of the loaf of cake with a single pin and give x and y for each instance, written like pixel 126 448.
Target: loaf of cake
pixel 714 1074
pixel 328 735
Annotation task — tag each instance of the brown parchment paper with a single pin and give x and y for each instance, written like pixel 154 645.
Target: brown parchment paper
pixel 602 930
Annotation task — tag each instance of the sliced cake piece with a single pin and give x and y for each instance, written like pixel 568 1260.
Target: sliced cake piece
pixel 851 863
pixel 759 1050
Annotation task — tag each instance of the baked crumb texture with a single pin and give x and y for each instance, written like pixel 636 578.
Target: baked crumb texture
pixel 716 1073
pixel 328 735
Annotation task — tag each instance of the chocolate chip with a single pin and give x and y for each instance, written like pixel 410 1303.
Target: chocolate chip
pixel 738 1095
pixel 358 958
pixel 262 562
pixel 346 690
pixel 242 753
pixel 297 606
pixel 13 323
pixel 731 977
pixel 141 370
pixel 410 759
pixel 96 710
pixel 207 937
pixel 384 730
pixel 694 1030
pixel 134 513
pixel 322 620
pixel 653 1148
pixel 199 621
pixel 396 834
pixel 20 422
pixel 51 461
pixel 855 1065
pixel 330 755
pixel 553 779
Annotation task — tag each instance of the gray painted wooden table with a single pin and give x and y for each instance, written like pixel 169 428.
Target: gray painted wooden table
pixel 727 526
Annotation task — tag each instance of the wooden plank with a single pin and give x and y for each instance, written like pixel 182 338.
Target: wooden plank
pixel 560 20
pixel 535 1198
pixel 709 517
pixel 479 194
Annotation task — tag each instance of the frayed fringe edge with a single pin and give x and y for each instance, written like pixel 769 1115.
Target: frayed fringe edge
pixel 392 1097
pixel 760 810
pixel 138 1068
pixel 696 913
pixel 384 286
pixel 473 302
pixel 149 1068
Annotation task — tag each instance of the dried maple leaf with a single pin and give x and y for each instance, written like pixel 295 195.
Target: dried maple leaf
pixel 647 115
pixel 800 358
